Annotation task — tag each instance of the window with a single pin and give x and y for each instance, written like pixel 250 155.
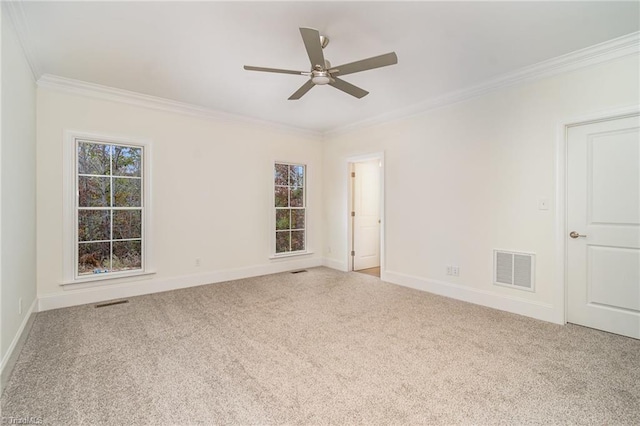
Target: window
pixel 110 203
pixel 290 208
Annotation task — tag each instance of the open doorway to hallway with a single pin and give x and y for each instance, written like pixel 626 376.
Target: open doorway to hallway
pixel 365 215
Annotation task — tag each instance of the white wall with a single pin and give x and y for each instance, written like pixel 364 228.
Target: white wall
pixel 465 179
pixel 211 194
pixel 17 190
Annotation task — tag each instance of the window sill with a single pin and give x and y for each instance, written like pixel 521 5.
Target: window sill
pixel 97 279
pixel 286 255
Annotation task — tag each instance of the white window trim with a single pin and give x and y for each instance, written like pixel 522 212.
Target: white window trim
pixel 272 222
pixel 69 211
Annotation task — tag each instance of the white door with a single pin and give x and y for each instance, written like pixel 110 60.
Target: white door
pixel 603 213
pixel 366 222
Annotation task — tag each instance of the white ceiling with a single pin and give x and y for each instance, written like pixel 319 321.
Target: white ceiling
pixel 194 52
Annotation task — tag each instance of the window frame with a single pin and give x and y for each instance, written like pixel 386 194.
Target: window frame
pixel 71 210
pixel 273 209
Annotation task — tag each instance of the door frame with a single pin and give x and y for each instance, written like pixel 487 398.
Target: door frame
pixel 347 167
pixel 561 210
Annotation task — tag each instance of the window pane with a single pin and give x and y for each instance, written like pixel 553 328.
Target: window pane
pixel 93 257
pixel 282 196
pixel 281 174
pixel 94 191
pixel 297 197
pixel 297 219
pixel 297 240
pixel 282 241
pixel 296 175
pixel 282 218
pixel 289 180
pixel 94 225
pixel 127 255
pixel 93 158
pixel 126 192
pixel 115 182
pixel 127 224
pixel 126 161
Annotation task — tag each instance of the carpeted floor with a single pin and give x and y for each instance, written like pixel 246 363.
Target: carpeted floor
pixel 322 347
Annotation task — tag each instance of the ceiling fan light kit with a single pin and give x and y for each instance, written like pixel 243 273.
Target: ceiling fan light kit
pixel 321 78
pixel 322 73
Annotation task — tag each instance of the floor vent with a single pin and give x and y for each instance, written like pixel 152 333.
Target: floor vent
pixel 116 302
pixel 299 272
pixel 514 269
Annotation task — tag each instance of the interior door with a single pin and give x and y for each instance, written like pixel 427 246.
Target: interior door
pixel 603 216
pixel 366 222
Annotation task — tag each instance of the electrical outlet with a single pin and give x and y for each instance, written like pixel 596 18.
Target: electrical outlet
pixel 197 261
pixel 20 306
pixel 449 270
pixel 455 271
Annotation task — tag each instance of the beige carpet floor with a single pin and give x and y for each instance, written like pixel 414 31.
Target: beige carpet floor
pixel 315 348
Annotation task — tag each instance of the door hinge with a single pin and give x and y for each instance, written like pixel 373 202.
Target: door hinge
pixel 353 252
pixel 353 214
pixel 353 174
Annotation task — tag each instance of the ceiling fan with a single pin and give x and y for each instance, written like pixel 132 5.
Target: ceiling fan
pixel 321 70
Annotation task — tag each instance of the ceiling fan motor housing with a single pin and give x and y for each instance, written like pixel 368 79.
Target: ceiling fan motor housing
pixel 321 75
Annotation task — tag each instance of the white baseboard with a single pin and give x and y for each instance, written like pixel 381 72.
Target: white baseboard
pixel 516 305
pixel 9 360
pixel 335 264
pixel 84 296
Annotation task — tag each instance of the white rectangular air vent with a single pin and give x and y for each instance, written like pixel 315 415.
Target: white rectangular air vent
pixel 513 269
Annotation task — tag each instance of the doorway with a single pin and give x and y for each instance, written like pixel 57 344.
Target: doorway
pixel 603 225
pixel 365 215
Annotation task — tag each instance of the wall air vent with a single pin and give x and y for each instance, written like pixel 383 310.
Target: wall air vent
pixel 514 269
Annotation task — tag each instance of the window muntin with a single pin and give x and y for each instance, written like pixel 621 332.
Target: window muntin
pixel 290 208
pixel 109 208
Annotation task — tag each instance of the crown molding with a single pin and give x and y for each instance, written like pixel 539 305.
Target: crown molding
pixel 593 55
pixel 16 15
pixel 98 91
pixel 590 56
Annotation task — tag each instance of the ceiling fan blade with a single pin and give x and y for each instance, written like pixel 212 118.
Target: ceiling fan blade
pixel 302 90
pixel 349 88
pixel 311 39
pixel 250 68
pixel 366 64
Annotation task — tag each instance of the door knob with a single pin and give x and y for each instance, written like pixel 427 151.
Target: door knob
pixel 574 234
